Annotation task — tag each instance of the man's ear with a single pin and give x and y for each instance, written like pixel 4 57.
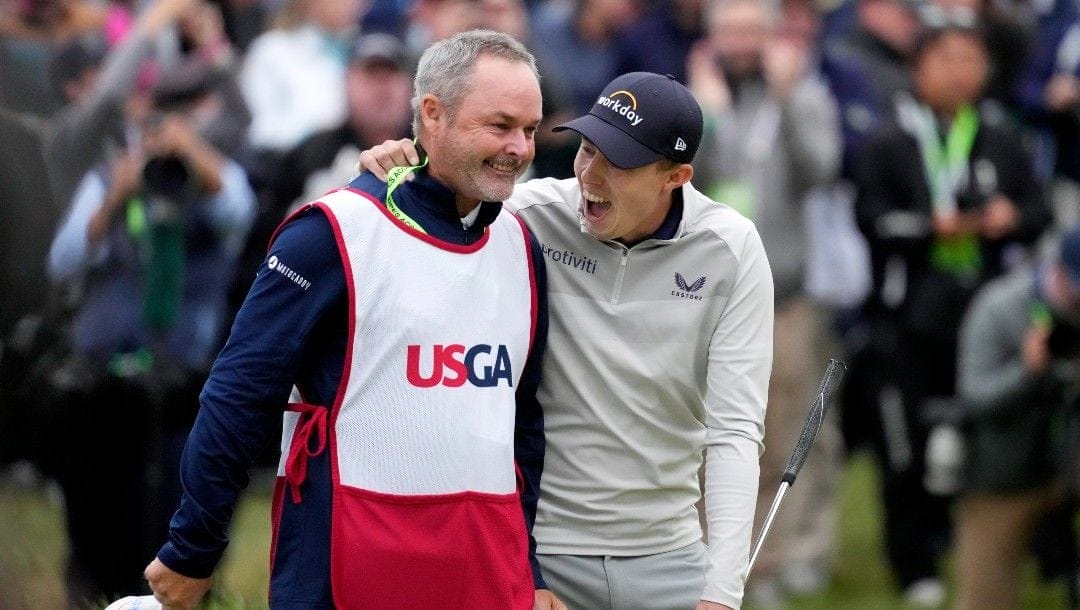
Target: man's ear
pixel 432 112
pixel 680 176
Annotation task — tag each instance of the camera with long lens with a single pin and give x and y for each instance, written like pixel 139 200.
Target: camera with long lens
pixel 169 177
pixel 1064 340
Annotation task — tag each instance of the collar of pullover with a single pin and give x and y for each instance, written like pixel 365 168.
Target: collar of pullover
pixel 432 205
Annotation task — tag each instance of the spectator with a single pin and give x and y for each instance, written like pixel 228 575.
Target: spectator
pixel 774 136
pixel 97 82
pixel 378 83
pixel 30 32
pixel 293 77
pixel 1017 379
pixel 660 39
pixel 947 197
pixel 1008 41
pixel 1050 97
pixel 883 38
pixel 837 268
pixel 377 88
pixel 28 219
pixel 148 235
pixel 868 67
pixel 576 43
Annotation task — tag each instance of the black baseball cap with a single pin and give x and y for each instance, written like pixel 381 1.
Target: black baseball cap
pixel 379 49
pixel 184 83
pixel 641 117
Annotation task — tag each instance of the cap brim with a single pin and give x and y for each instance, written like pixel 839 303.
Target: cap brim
pixel 619 148
pixel 369 61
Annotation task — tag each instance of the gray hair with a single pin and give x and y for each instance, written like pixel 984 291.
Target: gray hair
pixel 446 66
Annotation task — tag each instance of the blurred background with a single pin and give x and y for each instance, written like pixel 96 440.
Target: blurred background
pixel 913 167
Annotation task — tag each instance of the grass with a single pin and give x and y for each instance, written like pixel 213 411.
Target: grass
pixel 32 548
pixel 32 551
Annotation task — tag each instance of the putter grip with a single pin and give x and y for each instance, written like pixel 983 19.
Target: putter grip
pixel 833 374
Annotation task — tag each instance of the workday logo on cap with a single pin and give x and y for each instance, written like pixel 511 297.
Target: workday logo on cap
pixel 622 103
pixel 641 118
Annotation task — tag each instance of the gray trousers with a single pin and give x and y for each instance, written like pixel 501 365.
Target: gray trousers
pixel 664 581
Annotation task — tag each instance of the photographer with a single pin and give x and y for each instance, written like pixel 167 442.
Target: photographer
pixel 151 237
pixel 947 201
pixel 1019 366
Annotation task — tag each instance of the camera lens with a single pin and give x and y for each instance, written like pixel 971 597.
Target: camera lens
pixel 166 176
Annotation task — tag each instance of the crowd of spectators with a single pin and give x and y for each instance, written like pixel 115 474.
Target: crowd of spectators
pixel 896 155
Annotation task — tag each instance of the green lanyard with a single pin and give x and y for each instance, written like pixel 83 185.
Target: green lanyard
pixel 1040 315
pixel 394 178
pixel 945 162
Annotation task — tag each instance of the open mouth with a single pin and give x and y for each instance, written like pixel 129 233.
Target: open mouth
pixel 595 207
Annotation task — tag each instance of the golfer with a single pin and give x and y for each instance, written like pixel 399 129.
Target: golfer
pixel 660 349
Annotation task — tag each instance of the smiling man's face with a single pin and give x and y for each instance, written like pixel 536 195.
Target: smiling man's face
pixel 484 145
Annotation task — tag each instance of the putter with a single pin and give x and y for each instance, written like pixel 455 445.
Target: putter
pixel 833 374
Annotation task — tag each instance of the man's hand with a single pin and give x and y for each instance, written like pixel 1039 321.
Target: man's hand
pixel 706 80
pixel 546 600
pixel 1000 216
pixel 704 605
pixel 955 224
pixel 175 591
pixel 1035 350
pixel 1062 93
pixel 784 64
pixel 391 153
pixel 126 178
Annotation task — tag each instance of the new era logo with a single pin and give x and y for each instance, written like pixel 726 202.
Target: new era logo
pixel 680 144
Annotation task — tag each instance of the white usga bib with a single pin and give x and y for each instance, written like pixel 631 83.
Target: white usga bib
pixel 421 434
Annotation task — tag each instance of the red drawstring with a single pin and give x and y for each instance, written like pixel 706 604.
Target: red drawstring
pixel 312 420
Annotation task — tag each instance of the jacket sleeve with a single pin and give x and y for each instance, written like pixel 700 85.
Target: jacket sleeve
pixel 80 130
pixel 810 131
pixel 1021 185
pixel 740 361
pixel 242 402
pixel 529 443
pixel 888 209
pixel 71 253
